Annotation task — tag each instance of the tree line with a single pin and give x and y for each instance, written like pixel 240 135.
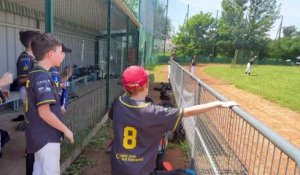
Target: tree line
pixel 243 25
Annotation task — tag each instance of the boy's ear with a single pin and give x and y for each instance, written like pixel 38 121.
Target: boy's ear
pixel 146 86
pixel 49 54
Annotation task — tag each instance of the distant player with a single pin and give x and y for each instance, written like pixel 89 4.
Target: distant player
pixel 193 65
pixel 169 64
pixel 139 125
pixel 249 65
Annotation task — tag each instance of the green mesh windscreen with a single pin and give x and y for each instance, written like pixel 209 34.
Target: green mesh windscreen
pixel 83 26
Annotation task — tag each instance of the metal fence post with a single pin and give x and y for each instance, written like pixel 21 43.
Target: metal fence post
pixel 137 46
pixel 197 102
pixel 127 41
pixel 49 16
pixel 108 51
pixel 181 86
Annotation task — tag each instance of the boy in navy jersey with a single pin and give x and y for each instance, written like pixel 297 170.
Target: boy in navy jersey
pixel 45 128
pixel 26 60
pixel 60 81
pixel 138 125
pixel 25 63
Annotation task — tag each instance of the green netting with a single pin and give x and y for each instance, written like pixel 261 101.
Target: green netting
pixel 85 26
pixel 18 9
pixel 149 13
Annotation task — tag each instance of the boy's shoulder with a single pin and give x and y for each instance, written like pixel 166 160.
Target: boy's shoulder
pixel 25 55
pixel 38 74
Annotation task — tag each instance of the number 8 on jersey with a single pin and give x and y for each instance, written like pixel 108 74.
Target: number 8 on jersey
pixel 129 139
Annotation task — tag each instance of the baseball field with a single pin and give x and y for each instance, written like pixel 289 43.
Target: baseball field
pixel 248 91
pixel 271 94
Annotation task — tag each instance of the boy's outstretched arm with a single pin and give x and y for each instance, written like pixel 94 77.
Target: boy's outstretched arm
pixel 199 109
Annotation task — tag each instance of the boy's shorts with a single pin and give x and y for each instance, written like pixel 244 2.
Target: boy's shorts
pixel 22 94
pixel 47 160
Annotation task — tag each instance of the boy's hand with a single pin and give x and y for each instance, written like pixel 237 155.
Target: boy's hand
pixel 228 104
pixel 5 93
pixel 7 78
pixel 63 110
pixel 69 135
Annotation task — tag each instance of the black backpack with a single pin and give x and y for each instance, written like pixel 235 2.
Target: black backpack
pixel 4 137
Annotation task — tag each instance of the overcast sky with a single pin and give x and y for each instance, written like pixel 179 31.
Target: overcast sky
pixel 290 9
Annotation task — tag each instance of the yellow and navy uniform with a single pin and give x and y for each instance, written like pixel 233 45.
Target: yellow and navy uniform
pixel 25 64
pixel 40 90
pixel 138 127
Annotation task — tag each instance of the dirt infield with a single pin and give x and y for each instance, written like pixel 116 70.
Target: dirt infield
pixel 283 121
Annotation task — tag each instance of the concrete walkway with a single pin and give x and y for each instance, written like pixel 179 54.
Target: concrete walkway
pixel 13 159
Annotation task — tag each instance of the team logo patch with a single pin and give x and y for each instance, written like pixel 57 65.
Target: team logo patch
pixel 44 89
pixel 43 82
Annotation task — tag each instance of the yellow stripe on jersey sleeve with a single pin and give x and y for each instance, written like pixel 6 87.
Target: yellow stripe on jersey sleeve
pixel 46 101
pixel 34 71
pixel 178 119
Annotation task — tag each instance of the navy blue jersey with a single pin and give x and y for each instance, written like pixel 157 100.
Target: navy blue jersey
pixel 55 75
pixel 25 64
pixel 138 127
pixel 41 90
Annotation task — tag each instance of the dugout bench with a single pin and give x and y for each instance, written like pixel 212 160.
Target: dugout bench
pixel 13 99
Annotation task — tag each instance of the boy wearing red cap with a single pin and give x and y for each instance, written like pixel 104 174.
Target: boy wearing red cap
pixel 138 125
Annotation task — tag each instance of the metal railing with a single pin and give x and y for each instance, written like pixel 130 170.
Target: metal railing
pixel 229 140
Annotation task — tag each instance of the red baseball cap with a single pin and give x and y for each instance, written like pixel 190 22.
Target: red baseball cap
pixel 134 77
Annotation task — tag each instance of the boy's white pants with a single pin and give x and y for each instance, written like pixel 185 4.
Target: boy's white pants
pixel 248 69
pixel 193 70
pixel 169 71
pixel 22 94
pixel 46 160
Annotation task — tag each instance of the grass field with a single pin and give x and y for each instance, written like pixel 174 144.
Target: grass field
pixel 279 84
pixel 158 73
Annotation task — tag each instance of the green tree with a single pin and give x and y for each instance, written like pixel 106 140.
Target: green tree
pixel 289 31
pixel 262 16
pixel 195 36
pixel 231 27
pixel 245 24
pixel 289 45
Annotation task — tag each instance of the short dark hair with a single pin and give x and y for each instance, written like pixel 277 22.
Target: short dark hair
pixel 44 43
pixel 27 36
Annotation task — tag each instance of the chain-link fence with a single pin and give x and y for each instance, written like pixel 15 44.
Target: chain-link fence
pixel 104 42
pixel 151 14
pixel 229 141
pixel 104 37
